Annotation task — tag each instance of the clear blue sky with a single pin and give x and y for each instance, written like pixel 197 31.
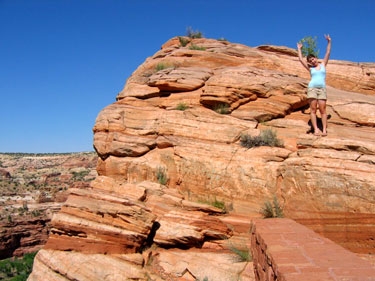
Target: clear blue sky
pixel 62 61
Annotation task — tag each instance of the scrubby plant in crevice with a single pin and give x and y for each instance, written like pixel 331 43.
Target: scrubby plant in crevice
pixel 215 203
pixel 161 175
pixel 272 209
pixel 182 106
pixel 183 41
pixel 163 65
pixel 266 137
pixel 196 47
pixel 222 108
pixel 219 204
pixel 243 254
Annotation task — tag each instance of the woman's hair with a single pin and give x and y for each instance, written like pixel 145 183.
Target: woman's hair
pixel 309 56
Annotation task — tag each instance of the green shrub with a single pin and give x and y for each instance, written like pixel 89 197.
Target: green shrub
pixel 163 65
pixel 272 209
pixel 160 66
pixel 36 213
pixel 267 137
pixel 196 47
pixel 193 34
pixel 183 41
pixel 216 203
pixel 267 210
pixel 222 108
pixel 219 204
pixel 161 176
pixel 277 208
pixel 182 106
pixel 78 176
pixel 243 255
pixel 17 269
pixel 309 46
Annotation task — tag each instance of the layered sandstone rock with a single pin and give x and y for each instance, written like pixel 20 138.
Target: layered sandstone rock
pixel 163 149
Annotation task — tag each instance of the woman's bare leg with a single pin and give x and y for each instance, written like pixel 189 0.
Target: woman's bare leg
pixel 323 113
pixel 313 108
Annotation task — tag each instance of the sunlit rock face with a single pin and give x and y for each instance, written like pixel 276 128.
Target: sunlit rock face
pixel 170 150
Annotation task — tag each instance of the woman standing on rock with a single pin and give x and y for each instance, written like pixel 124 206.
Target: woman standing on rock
pixel 316 91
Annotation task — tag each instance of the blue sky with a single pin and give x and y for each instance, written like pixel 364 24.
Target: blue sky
pixel 63 61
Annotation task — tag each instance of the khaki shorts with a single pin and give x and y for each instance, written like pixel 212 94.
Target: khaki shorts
pixel 317 93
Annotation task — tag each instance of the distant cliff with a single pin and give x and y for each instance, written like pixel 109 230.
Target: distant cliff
pixel 176 190
pixel 32 188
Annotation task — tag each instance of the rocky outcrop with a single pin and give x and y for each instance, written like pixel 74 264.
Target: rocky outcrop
pixel 172 140
pixel 139 231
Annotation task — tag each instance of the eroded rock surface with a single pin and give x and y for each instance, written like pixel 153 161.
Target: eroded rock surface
pixel 167 154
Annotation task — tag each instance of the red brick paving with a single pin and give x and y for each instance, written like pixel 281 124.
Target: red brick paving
pixel 284 250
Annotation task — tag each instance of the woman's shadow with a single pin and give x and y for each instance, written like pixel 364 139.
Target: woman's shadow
pixel 318 122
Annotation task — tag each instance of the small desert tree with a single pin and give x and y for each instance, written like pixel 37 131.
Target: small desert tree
pixel 193 34
pixel 309 46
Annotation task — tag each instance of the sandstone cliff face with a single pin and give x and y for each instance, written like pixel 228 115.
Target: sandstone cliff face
pixel 164 149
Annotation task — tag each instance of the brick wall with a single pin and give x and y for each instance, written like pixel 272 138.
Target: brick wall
pixel 284 250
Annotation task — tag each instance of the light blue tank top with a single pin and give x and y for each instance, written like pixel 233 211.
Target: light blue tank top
pixel 318 77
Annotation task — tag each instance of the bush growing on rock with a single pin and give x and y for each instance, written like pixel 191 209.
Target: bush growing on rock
pixel 161 176
pixel 163 65
pixel 272 209
pixel 183 41
pixel 222 108
pixel 196 47
pixel 242 254
pixel 182 106
pixel 193 34
pixel 267 137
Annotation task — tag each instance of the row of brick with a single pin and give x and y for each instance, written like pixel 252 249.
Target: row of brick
pixel 284 250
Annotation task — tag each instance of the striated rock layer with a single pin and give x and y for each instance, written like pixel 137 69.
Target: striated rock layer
pixel 167 155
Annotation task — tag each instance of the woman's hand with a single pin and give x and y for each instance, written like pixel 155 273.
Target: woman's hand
pixel 299 45
pixel 328 38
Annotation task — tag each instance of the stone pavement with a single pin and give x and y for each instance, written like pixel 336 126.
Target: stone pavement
pixel 284 250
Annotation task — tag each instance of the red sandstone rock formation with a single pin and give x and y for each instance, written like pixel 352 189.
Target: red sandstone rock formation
pixel 153 231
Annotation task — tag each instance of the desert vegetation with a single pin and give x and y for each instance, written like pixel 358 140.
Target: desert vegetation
pixel 161 175
pixel 215 203
pixel 272 209
pixel 162 66
pixel 309 46
pixel 182 106
pixel 267 137
pixel 33 178
pixel 16 269
pixel 222 108
pixel 193 34
pixel 183 41
pixel 243 254
pixel 196 47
